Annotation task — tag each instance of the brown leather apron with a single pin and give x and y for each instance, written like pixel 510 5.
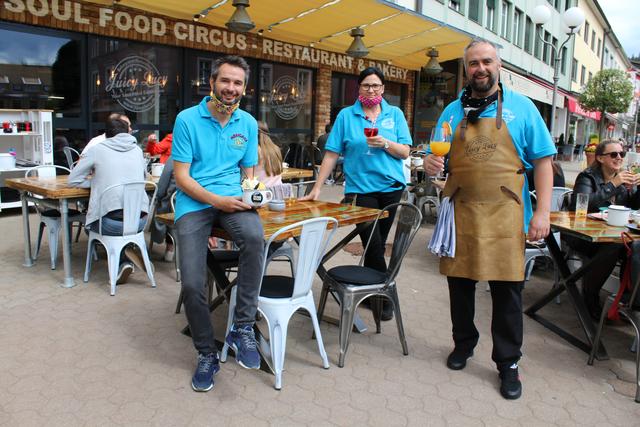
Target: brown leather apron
pixel 485 182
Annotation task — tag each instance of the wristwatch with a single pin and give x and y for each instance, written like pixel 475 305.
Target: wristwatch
pixel 386 145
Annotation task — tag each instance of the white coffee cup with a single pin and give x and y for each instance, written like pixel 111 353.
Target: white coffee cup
pixel 257 198
pixel 156 169
pixel 416 161
pixel 618 216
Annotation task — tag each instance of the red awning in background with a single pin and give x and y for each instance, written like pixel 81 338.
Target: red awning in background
pixel 574 107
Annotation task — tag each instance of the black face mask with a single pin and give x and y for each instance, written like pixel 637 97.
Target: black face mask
pixel 473 107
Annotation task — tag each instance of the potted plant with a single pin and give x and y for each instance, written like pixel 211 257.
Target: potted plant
pixel 590 149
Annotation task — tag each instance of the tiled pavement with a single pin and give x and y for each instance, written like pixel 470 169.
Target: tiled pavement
pixel 80 357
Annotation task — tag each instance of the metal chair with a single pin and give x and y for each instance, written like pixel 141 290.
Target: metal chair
pixel 354 283
pixel 131 194
pixel 51 218
pixel 281 296
pixel 630 310
pixel 69 153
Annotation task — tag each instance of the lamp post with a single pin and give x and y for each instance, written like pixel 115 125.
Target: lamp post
pixel 573 18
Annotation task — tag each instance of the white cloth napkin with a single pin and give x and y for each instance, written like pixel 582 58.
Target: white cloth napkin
pixel 443 240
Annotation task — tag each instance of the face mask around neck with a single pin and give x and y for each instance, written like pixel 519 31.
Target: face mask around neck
pixel 223 108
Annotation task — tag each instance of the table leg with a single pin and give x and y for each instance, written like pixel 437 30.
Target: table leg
pixel 358 323
pixel 66 244
pixel 28 257
pixel 568 283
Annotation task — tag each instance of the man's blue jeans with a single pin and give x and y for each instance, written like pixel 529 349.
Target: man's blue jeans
pixel 194 229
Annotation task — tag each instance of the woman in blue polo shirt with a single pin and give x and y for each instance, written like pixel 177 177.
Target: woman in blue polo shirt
pixel 373 163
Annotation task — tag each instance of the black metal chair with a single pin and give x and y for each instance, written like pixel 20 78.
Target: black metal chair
pixel 352 284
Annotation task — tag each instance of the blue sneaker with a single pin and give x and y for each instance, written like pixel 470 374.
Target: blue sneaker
pixel 208 366
pixel 243 341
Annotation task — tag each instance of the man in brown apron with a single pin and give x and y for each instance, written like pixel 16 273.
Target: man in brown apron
pixel 498 133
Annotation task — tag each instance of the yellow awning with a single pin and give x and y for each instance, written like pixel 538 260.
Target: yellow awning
pixel 392 33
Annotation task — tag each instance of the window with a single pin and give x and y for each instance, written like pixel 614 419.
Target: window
pixel 517 26
pixel 563 61
pixel 546 49
pixel 455 5
pixel 590 75
pixel 528 33
pixel 557 4
pixel 593 40
pixel 474 10
pixel 574 70
pixel 504 19
pixel 599 47
pixel 537 46
pixel 490 22
pixel 554 43
pixel 586 32
pixel 583 72
pixel 606 57
pixel 567 4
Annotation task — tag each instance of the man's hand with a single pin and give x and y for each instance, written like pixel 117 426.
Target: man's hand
pixel 313 194
pixel 433 164
pixel 539 226
pixel 230 204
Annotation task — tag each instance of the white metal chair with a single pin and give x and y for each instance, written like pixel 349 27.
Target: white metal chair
pixel 281 296
pixel 132 195
pixel 70 153
pixel 51 218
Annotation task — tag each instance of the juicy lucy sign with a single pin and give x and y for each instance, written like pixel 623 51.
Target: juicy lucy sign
pixel 103 20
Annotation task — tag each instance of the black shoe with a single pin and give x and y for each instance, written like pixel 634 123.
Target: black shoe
pixel 458 359
pixel 387 310
pixel 511 387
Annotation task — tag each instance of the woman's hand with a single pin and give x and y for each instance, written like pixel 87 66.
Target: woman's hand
pixel 625 178
pixel 376 141
pixel 433 164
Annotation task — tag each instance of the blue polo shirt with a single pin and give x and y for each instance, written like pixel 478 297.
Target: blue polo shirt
pixel 215 153
pixel 528 132
pixel 379 172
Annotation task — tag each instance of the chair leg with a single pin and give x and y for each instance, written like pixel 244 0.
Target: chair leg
pixel 376 309
pixel 147 264
pixel 393 296
pixel 323 302
pixel 232 307
pixel 78 232
pixel 90 254
pixel 113 261
pixel 39 240
pixel 596 341
pixel 347 314
pixel 316 328
pixel 176 257
pixel 278 344
pixel 180 299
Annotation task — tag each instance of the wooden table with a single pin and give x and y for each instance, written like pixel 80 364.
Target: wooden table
pixel 296 211
pixel 295 173
pixel 590 230
pixel 56 193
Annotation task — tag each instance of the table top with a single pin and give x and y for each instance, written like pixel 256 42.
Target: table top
pixel 592 230
pixel 298 211
pixel 51 187
pixel 295 173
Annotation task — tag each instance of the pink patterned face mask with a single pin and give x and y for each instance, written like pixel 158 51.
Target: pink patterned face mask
pixel 370 102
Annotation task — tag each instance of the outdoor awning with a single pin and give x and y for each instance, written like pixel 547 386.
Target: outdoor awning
pixel 574 107
pixel 392 33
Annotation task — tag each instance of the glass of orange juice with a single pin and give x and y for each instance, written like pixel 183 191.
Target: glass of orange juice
pixel 440 142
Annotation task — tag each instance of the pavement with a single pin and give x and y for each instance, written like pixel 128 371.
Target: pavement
pixel 81 357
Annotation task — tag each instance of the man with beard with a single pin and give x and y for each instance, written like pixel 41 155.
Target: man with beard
pixel 211 143
pixel 497 135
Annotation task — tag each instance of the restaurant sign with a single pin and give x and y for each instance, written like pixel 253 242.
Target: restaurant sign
pixel 135 83
pixel 128 23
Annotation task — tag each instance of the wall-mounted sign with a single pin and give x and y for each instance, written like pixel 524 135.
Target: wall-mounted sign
pixel 286 98
pixel 136 84
pixel 128 23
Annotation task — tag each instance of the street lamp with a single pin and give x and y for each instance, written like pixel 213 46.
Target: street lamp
pixel 573 18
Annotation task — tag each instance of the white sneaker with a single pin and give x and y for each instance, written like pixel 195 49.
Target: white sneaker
pixel 169 256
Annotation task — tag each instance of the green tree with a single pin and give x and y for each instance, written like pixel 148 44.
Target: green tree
pixel 609 91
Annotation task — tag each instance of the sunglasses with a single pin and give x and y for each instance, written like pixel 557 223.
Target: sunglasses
pixel 616 154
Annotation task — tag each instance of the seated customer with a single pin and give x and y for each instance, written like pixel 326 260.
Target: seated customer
pixel 166 188
pixel 606 183
pixel 269 167
pixel 162 148
pixel 116 160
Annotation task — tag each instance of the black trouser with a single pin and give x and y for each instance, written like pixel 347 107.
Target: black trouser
pixel 374 258
pixel 506 318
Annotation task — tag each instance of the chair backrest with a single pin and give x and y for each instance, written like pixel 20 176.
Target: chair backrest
pixel 132 195
pixel 70 153
pixel 312 246
pixel 558 198
pixel 44 171
pixel 172 201
pixel 407 220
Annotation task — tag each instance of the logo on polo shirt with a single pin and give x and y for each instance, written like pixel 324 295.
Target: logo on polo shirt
pixel 388 123
pixel 239 140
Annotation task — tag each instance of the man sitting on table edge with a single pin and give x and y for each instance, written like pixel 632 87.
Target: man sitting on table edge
pixel 211 143
pixel 116 160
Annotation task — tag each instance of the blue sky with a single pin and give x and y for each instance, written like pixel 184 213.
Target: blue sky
pixel 624 17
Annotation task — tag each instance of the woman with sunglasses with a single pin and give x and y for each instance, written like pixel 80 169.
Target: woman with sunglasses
pixel 606 183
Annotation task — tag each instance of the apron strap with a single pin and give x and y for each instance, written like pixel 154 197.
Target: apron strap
pixel 463 127
pixel 499 112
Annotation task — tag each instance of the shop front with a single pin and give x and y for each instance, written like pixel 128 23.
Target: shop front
pixel 85 60
pixel 582 123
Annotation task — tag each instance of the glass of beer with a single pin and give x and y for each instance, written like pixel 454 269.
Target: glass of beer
pixel 582 204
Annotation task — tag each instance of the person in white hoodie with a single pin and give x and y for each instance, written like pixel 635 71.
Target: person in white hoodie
pixel 116 160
